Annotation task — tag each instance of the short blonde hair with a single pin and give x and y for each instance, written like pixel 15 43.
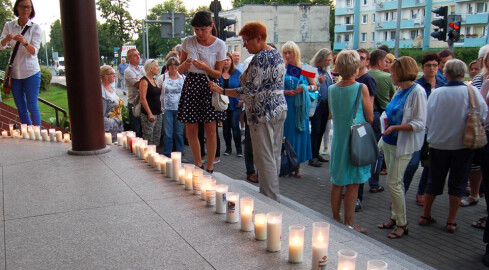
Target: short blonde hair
pixel 404 69
pixel 149 64
pixel 291 46
pixel 390 57
pixel 347 63
pixel 455 69
pixel 105 70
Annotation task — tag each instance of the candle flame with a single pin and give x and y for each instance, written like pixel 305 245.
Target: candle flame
pixel 320 238
pixel 296 241
pixel 247 209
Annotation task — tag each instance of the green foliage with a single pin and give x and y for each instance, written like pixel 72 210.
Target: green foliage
pixel 46 77
pixel 56 38
pixel 465 54
pixel 126 121
pixel 64 123
pixel 6 13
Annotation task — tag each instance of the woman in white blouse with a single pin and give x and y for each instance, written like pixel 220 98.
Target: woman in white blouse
pixel 112 104
pixel 26 73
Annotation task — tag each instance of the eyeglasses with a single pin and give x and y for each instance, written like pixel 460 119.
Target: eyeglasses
pixel 245 41
pixel 431 65
pixel 111 74
pixel 25 7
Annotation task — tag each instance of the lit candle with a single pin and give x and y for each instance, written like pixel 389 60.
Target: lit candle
pixel 66 137
pixel 181 176
pixel 376 265
pixel 148 152
pixel 23 126
pixel 261 227
pixel 210 193
pixel 274 231
pixel 296 243
pixel 346 259
pixel 232 214
pixel 59 136
pixel 320 244
pixel 157 163
pixel 44 135
pixel 10 129
pixel 204 180
pixel 119 139
pixel 163 164
pixel 4 134
pixel 37 133
pixel 124 141
pixel 169 169
pixel 151 159
pixel 142 150
pixel 52 134
pixel 108 138
pixel 221 202
pixel 32 136
pixel 246 206
pixel 25 134
pixel 197 174
pixel 135 146
pixel 176 158
pixel 188 176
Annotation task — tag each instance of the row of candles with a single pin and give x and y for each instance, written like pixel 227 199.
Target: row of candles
pixel 267 227
pixel 30 132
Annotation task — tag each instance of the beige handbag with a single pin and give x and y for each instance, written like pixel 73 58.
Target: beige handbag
pixel 474 134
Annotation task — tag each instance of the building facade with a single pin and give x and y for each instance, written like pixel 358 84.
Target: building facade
pixel 306 25
pixel 370 23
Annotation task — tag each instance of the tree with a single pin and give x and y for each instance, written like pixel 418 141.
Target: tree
pixel 6 14
pixel 56 38
pixel 119 24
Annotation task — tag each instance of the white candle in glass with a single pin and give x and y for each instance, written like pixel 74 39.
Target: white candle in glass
pixel 346 259
pixel 37 133
pixel 203 185
pixel 4 134
pixel 124 142
pixel 151 159
pixel 157 163
pixel 261 226
pixel 296 243
pixel 163 164
pixel 149 150
pixel 10 129
pixel 197 174
pixel 66 137
pixel 232 213
pixel 44 135
pixel 247 205
pixel 210 193
pixel 188 176
pixel 25 134
pixel 176 158
pixel 32 136
pixel 376 265
pixel 221 202
pixel 59 136
pixel 119 139
pixel 142 150
pixel 23 126
pixel 181 176
pixel 108 138
pixel 169 168
pixel 274 231
pixel 135 146
pixel 320 243
pixel 52 134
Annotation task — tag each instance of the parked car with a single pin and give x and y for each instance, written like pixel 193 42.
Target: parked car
pixel 60 66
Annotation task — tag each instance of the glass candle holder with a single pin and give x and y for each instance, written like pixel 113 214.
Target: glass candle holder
pixel 232 213
pixel 296 243
pixel 247 205
pixel 320 244
pixel 163 160
pixel 376 265
pixel 176 158
pixel 210 193
pixel 261 226
pixel 59 136
pixel 197 174
pixel 169 168
pixel 203 186
pixel 274 231
pixel 221 202
pixel 108 138
pixel 157 158
pixel 347 259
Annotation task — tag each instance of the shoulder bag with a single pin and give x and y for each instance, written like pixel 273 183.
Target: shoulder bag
pixel 7 80
pixel 288 159
pixel 474 133
pixel 363 145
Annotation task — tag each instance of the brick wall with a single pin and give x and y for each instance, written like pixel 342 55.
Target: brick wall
pixel 8 115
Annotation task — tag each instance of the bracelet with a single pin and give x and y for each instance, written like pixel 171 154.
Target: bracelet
pixel 26 44
pixel 223 91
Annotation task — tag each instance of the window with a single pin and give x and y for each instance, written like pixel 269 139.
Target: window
pixel 471 9
pixel 373 18
pixel 414 34
pixel 393 35
pixel 347 38
pixel 338 38
pixel 364 19
pixel 365 2
pixel 386 17
pixel 349 3
pixel 348 20
pixel 414 13
pixel 385 36
pixel 364 37
pixel 373 36
pixel 480 8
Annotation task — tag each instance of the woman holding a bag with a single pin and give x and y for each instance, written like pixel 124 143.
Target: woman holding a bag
pixel 202 57
pixel 25 71
pixel 112 104
pixel 341 99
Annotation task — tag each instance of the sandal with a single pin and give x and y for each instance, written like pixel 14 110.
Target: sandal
pixel 357 228
pixel 425 221
pixel 394 233
pixel 469 201
pixel 451 227
pixel 387 225
pixel 252 178
pixel 298 174
pixel 419 201
pixel 480 223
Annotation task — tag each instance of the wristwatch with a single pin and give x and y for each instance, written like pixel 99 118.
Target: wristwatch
pixel 26 44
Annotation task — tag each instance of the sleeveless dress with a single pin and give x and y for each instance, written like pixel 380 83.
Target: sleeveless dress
pixel 299 139
pixel 341 102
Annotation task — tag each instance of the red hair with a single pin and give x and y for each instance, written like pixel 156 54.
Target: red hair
pixel 254 30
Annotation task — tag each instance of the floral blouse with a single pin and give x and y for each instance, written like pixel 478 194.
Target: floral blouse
pixel 262 87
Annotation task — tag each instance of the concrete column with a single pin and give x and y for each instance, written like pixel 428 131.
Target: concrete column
pixel 79 24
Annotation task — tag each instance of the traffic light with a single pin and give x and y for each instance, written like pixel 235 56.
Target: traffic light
pixel 454 24
pixel 441 32
pixel 223 24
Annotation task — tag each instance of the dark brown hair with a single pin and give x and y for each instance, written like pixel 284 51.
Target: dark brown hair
pixel 232 68
pixel 405 69
pixel 16 5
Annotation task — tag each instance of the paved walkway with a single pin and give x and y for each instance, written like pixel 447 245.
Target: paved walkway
pixel 432 245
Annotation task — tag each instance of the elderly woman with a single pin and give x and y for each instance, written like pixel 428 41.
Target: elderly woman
pixel 447 112
pixel 404 134
pixel 151 113
pixel 389 60
pixel 296 126
pixel 341 98
pixel 25 70
pixel 262 86
pixel 171 84
pixel 202 57
pixel 112 104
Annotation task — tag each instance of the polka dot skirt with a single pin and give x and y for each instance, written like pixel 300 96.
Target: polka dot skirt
pixel 195 104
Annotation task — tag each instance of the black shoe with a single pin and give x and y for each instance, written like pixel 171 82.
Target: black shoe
pixel 358 206
pixel 227 152
pixel 315 163
pixel 240 154
pixel 321 159
pixel 377 189
pixel 485 259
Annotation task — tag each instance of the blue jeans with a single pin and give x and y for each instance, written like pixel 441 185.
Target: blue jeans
pixel 26 92
pixel 231 125
pixel 135 121
pixel 173 130
pixel 411 170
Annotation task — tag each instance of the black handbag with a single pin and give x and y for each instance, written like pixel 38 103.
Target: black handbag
pixel 363 145
pixel 288 161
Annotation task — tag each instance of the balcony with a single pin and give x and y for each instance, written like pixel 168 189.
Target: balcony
pixel 342 45
pixel 343 28
pixel 392 43
pixel 405 24
pixel 480 18
pixel 470 41
pixel 344 11
pixel 386 5
pixel 413 3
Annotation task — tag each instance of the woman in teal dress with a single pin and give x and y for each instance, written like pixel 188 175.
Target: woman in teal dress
pixel 341 97
pixel 296 126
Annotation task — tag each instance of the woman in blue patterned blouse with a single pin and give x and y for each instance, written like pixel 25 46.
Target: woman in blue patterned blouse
pixel 261 89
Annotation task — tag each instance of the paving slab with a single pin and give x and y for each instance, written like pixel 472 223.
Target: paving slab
pixel 14 151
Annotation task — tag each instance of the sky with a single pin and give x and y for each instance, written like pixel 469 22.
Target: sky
pixel 47 11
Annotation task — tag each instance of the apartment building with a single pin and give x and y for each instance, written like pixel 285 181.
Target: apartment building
pixel 370 23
